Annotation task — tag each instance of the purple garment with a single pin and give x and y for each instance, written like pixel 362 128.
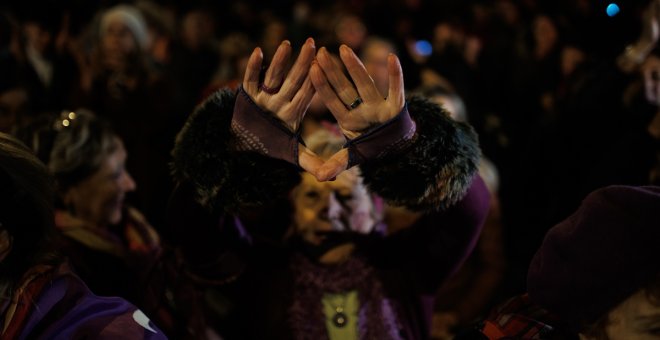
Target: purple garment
pixel 409 266
pixel 259 131
pixel 67 309
pixel 384 140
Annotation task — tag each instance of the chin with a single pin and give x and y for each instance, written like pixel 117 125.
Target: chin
pixel 115 217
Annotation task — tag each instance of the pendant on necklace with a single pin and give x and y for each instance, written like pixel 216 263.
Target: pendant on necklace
pixel 340 319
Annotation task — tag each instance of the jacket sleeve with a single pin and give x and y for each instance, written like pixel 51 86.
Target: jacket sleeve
pixel 435 246
pixel 436 175
pixel 436 171
pixel 67 309
pixel 225 179
pixel 214 183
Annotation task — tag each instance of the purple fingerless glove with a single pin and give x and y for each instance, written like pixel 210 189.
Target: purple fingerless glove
pixel 382 141
pixel 260 131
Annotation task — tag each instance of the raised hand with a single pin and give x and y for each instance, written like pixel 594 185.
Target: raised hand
pixel 284 95
pixel 359 107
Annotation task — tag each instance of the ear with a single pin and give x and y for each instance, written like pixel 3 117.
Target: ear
pixel 6 242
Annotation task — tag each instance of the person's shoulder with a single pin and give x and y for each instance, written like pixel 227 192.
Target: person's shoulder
pixel 79 312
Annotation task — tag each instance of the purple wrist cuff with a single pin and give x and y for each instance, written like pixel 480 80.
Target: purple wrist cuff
pixel 382 141
pixel 260 131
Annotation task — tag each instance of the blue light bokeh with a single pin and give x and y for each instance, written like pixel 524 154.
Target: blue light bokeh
pixel 612 9
pixel 423 48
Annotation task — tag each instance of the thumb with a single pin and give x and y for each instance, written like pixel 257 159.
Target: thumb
pixel 309 161
pixel 333 166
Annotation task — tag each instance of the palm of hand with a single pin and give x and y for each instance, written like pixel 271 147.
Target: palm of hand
pixel 288 96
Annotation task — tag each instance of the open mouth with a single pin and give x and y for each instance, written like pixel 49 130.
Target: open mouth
pixel 331 239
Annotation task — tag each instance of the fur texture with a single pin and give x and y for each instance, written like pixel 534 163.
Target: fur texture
pixel 224 179
pixel 433 173
pixel 436 171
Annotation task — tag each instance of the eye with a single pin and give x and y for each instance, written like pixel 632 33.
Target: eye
pixel 654 331
pixel 344 196
pixel 312 194
pixel 117 173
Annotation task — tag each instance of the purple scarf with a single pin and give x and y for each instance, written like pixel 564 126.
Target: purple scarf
pixel 377 317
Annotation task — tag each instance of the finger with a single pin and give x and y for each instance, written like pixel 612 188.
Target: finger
pixel 302 99
pixel 300 69
pixel 308 160
pixel 333 166
pixel 396 92
pixel 251 77
pixel 277 69
pixel 334 71
pixel 363 82
pixel 326 93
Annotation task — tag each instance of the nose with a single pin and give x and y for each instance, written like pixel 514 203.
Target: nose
pixel 334 207
pixel 127 183
pixel 323 213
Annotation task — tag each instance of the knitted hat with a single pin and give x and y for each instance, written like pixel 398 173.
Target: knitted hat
pixel 599 256
pixel 129 16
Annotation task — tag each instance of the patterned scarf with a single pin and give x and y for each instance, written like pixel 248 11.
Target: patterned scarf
pixel 22 300
pixel 141 238
pixel 518 318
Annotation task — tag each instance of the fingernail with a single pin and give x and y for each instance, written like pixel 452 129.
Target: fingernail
pixel 310 41
pixel 286 42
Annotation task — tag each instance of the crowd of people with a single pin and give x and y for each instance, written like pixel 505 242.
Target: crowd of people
pixel 329 169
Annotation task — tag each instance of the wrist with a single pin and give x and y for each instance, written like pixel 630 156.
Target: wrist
pixel 381 141
pixel 259 131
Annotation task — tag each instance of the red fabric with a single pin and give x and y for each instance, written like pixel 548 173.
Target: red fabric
pixel 32 285
pixel 517 318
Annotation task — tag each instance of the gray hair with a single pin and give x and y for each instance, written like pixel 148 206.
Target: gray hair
pixel 80 147
pixel 325 142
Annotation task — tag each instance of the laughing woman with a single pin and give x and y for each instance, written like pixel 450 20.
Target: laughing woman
pixel 109 243
pixel 40 298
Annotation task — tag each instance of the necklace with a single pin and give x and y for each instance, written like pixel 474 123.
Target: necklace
pixel 338 308
pixel 339 319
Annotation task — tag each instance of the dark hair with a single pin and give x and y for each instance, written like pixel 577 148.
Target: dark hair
pixel 26 210
pixel 597 330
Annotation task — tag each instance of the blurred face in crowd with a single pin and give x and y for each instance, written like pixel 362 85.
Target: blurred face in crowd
pixel 11 104
pixel 636 318
pixel 545 35
pixel 100 197
pixel 350 30
pixel 36 37
pixel 118 43
pixel 196 28
pixel 340 205
pixel 374 58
